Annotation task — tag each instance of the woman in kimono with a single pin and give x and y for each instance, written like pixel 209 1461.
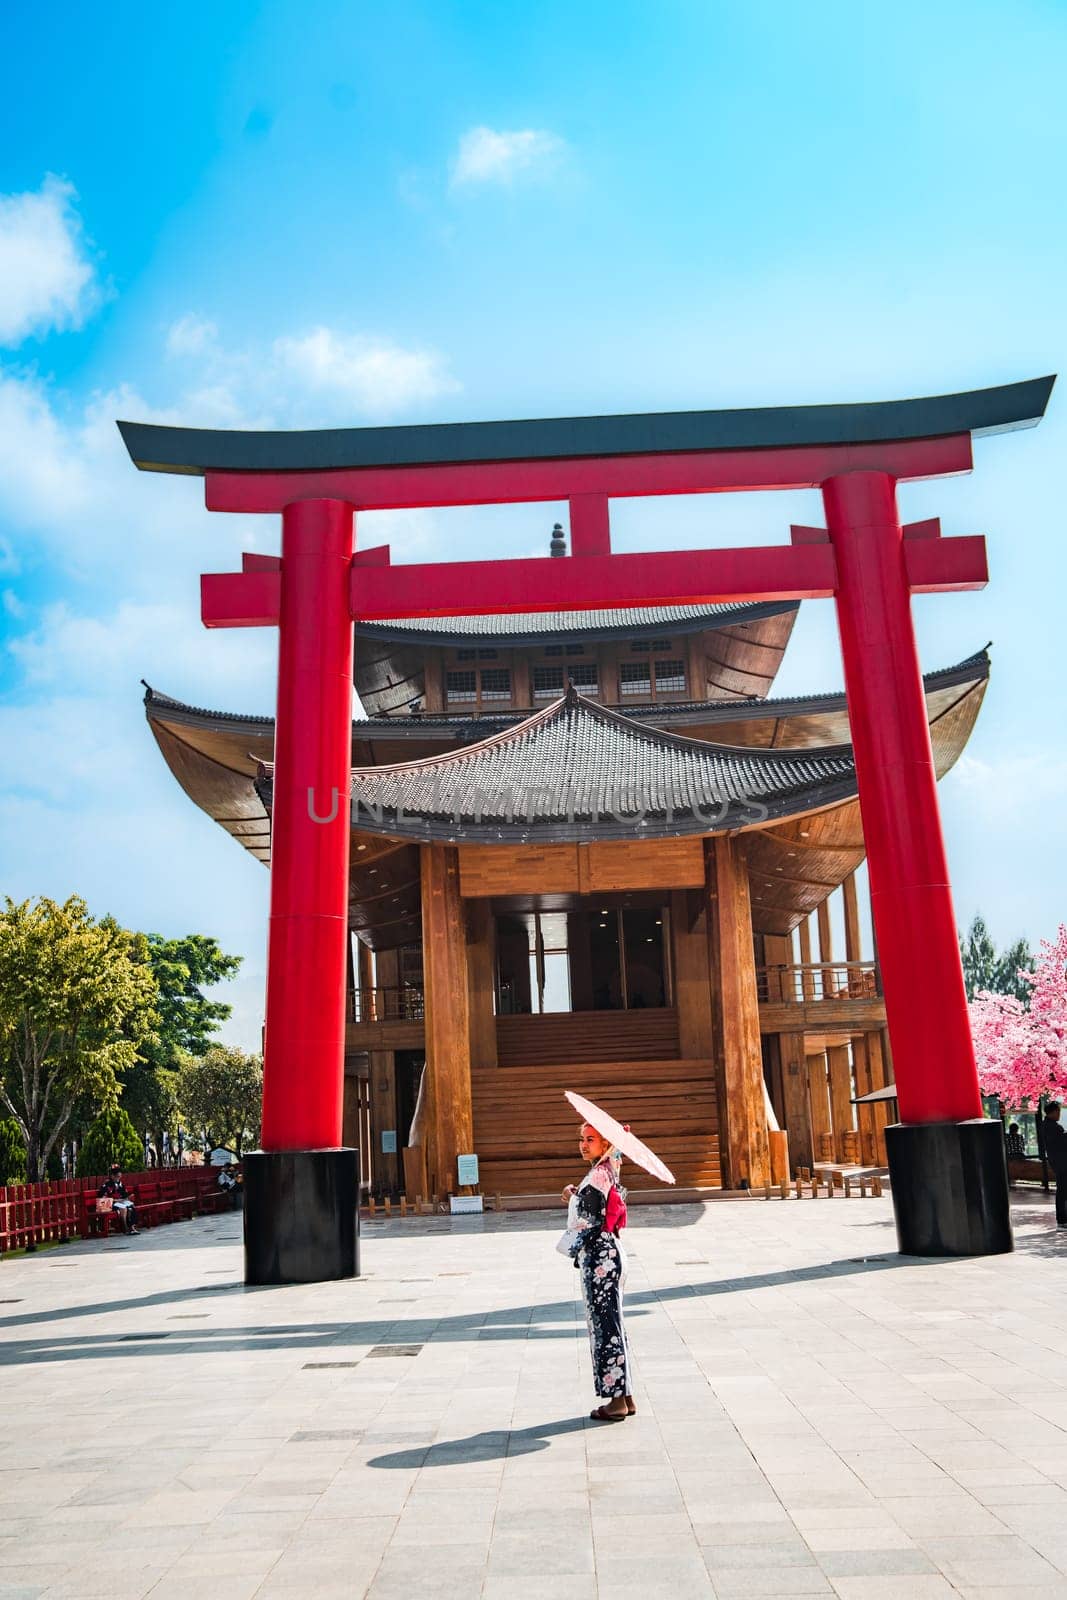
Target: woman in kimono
pixel 595 1214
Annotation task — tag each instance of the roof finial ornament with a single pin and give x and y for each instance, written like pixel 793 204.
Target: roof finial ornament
pixel 558 547
pixel 571 697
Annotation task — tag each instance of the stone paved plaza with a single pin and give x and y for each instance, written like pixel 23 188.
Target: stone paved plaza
pixel 816 1416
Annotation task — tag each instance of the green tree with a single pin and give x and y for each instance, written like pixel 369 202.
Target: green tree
pixel 77 1003
pixel 182 968
pixel 111 1139
pixel 12 1152
pixel 221 1094
pixel 985 969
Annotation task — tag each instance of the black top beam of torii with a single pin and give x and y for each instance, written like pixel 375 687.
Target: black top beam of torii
pixel 156 448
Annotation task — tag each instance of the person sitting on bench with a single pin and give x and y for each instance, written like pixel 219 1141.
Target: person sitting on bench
pixel 122 1206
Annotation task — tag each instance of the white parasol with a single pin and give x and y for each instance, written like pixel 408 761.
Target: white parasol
pixel 625 1142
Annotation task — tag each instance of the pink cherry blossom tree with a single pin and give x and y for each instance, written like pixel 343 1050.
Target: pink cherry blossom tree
pixel 1021 1047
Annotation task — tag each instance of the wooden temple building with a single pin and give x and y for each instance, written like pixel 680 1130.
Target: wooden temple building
pixel 591 850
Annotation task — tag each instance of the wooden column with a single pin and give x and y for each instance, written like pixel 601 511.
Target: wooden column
pixel 433 681
pixel 352 1129
pixel 772 1063
pixel 805 959
pixel 797 1099
pixel 841 1107
pixel 861 1063
pixel 608 675
pixel 697 667
pixel 853 938
pixel 818 1091
pixel 481 976
pixel 366 981
pixel 448 1031
pixel 879 1077
pixel 521 693
pixel 745 1150
pixel 826 949
pixel 383 1120
pixel 778 959
pixel 692 977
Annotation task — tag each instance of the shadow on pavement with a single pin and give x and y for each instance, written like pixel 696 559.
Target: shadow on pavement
pixel 515 1322
pixel 491 1446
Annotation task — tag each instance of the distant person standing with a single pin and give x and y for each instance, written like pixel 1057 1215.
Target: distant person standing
pixel 1056 1155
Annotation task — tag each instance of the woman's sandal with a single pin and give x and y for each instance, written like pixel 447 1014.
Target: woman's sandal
pixel 602 1414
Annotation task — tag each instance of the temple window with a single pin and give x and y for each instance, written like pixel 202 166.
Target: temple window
pixel 553 649
pixel 547 682
pixel 635 677
pixel 466 655
pixel 486 655
pixel 470 686
pixel 496 683
pixel 670 677
pixel 576 649
pixel 461 685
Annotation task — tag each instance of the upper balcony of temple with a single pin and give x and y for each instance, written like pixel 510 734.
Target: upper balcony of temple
pixel 647 655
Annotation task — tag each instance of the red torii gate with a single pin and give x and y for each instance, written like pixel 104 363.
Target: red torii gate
pixel 949 1185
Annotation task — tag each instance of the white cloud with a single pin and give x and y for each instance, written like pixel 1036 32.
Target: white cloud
pixel 12 604
pixel 42 473
pixel 191 335
pixel 490 155
pixel 372 375
pixel 46 278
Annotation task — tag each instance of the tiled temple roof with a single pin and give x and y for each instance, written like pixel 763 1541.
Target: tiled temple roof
pixel 576 771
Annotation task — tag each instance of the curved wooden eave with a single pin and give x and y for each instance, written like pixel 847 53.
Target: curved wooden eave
pixel 794 865
pixel 228 797
pixel 385 907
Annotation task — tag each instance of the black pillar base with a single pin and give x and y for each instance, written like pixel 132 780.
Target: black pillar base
pixel 301 1215
pixel 950 1188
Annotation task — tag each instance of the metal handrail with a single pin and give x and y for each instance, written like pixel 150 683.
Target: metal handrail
pixel 400 1003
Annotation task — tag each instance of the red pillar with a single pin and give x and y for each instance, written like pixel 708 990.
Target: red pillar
pixel 303 1068
pixel 911 900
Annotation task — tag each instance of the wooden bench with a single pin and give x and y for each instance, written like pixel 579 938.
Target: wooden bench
pixel 153 1207
pixel 1027 1169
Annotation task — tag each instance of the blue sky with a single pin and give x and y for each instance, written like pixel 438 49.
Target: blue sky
pixel 291 215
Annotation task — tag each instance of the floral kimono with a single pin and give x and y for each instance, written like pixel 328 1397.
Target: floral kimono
pixel 601 1260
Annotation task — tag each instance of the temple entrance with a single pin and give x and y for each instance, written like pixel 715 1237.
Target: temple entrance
pixel 602 955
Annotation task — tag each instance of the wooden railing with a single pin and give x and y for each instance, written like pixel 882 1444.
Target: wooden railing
pixel 42 1213
pixel 819 980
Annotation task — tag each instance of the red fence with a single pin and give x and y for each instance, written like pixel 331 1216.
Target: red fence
pixel 35 1213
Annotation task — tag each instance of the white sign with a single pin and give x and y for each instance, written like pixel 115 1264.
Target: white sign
pixel 388 1141
pixel 465 1202
pixel 468 1170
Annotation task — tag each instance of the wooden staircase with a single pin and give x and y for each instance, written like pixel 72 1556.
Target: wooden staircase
pixel 526 1133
